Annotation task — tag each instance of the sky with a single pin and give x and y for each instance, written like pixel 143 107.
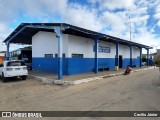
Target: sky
pixel 111 17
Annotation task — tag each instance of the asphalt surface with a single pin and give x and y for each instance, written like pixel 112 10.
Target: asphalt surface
pixel 139 91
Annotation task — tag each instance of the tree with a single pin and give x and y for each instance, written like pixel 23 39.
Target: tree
pixel 157 61
pixel 143 58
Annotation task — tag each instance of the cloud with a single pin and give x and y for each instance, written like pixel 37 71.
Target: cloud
pixel 107 16
pixel 138 19
pixel 81 16
pixel 157 15
pixel 115 20
pixel 8 10
pixel 113 4
pixel 44 7
pixel 135 12
pixel 11 9
pixel 148 39
pixel 3 29
pixel 144 36
pixel 158 23
pixel 142 2
pixel 4 32
pixel 157 10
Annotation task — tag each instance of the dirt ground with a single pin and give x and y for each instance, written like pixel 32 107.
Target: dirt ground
pixel 139 91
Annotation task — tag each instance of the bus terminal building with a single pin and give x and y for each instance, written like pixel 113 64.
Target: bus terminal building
pixel 65 49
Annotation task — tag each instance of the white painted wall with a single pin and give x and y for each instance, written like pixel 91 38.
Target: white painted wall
pixel 47 43
pixel 81 45
pixel 124 50
pixel 112 50
pixel 135 52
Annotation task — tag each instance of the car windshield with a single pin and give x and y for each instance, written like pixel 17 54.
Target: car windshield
pixel 16 63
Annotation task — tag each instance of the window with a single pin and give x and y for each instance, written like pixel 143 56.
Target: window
pixel 1 65
pixel 10 54
pixel 64 55
pixel 77 55
pixel 16 63
pixel 56 55
pixel 48 55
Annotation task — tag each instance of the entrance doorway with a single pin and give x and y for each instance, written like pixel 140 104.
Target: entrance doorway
pixel 120 61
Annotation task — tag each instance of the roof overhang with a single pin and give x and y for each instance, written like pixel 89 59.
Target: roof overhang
pixel 24 32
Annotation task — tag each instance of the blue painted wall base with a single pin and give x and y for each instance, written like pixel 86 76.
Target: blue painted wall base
pixel 77 65
pixel 135 62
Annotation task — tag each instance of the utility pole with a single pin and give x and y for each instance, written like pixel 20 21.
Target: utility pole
pixel 130 29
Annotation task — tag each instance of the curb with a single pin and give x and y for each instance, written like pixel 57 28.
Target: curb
pixel 43 79
pixel 79 81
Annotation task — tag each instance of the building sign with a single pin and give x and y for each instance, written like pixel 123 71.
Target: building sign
pixel 102 49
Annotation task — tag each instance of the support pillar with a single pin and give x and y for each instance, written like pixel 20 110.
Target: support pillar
pixel 131 55
pixel 117 55
pixel 147 60
pixel 59 35
pixel 140 57
pixel 96 40
pixel 7 52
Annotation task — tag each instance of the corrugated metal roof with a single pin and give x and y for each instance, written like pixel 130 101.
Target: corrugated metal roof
pixel 24 32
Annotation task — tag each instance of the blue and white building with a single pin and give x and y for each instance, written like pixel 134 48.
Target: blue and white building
pixel 65 49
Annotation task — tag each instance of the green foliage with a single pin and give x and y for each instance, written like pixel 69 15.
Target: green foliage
pixel 157 61
pixel 143 59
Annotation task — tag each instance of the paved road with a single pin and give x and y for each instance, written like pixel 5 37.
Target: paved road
pixel 135 92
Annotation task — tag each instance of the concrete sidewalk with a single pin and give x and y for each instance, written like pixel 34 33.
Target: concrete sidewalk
pixel 49 78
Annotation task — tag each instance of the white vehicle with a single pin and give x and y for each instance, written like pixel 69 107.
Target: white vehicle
pixel 13 68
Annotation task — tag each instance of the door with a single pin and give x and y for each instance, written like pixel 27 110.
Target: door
pixel 120 61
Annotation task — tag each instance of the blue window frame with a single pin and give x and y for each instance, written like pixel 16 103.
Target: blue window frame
pixel 63 55
pixel 48 55
pixel 77 55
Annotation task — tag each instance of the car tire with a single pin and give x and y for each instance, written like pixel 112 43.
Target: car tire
pixel 24 77
pixel 3 78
